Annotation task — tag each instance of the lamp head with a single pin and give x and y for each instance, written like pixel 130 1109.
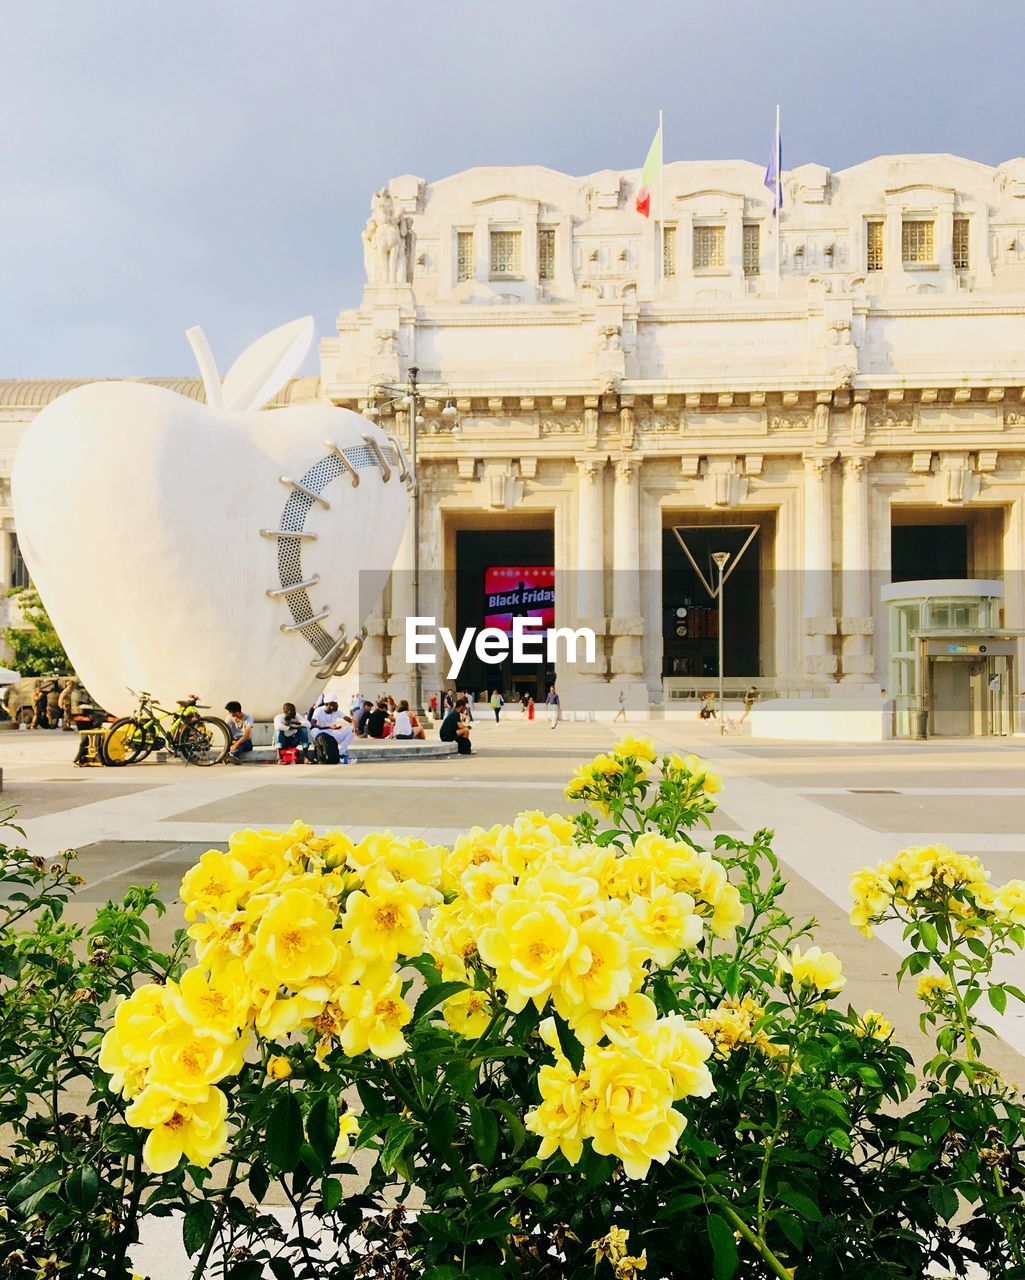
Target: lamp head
pixel 719 559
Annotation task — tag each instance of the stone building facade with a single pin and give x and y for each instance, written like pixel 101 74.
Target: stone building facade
pixel 849 377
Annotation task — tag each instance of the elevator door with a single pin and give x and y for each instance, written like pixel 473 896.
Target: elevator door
pixel 952 697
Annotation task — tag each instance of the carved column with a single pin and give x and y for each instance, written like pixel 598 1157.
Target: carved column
pixel 857 624
pixel 819 621
pixel 590 591
pixel 627 623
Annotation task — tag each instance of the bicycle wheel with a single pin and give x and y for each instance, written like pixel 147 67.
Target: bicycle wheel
pixel 128 741
pixel 203 741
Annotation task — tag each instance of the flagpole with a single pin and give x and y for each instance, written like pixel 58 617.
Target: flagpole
pixel 777 143
pixel 661 205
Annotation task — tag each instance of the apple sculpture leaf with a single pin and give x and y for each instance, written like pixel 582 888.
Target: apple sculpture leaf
pixel 219 548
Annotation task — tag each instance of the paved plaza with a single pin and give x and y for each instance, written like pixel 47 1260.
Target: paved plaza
pixel 832 807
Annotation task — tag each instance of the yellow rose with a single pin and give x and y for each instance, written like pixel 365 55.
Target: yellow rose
pixel 278 1067
pixel 279 1015
pixel 664 923
pixel 294 941
pixel 632 1015
pixel 559 1120
pixel 598 973
pixel 931 985
pixel 384 922
pixel 872 892
pixel 873 1026
pixel 198 1130
pixel 214 886
pixel 1009 901
pixel 405 857
pixel 630 1109
pixel 680 1050
pixel 218 1005
pixel 641 749
pixel 527 947
pixel 348 1127
pixel 125 1050
pixel 184 1062
pixel 375 1016
pixel 815 969
pixel 732 1024
pixel 468 1013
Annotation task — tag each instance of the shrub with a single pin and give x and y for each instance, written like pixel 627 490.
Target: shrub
pixel 588 1047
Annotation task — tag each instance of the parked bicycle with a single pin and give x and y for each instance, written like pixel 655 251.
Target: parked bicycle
pixel 194 738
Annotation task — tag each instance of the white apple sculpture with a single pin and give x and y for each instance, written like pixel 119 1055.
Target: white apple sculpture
pixel 212 549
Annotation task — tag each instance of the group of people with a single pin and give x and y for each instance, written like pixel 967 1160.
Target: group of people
pixel 325 733
pixel 53 699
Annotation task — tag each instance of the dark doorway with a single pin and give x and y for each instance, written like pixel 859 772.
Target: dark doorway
pixel 921 552
pixel 690 616
pixel 479 551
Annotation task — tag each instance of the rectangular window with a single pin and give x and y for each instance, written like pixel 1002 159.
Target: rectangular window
pixel 916 242
pixel 546 253
pixel 960 244
pixel 874 246
pixel 668 252
pixel 19 569
pixel 709 247
pixel 752 249
pixel 464 255
pixel 505 253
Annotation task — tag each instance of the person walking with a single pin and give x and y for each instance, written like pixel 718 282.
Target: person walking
pixel 530 707
pixel 552 705
pixel 621 713
pixel 497 702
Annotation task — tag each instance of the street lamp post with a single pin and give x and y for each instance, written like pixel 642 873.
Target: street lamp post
pixel 414 396
pixel 409 398
pixel 720 558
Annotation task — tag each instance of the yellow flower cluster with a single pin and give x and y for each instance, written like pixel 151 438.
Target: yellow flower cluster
pixel 733 1024
pixel 293 933
pixel 597 781
pixel 622 1098
pixel 581 926
pixel 926 875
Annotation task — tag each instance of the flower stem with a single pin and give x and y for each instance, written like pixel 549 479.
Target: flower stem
pixel 754 1239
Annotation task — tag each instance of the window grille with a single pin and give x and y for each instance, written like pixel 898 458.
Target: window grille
pixel 505 253
pixel 709 247
pixel 668 252
pixel 546 253
pixel 961 244
pixel 874 246
pixel 752 249
pixel 916 242
pixel 464 255
pixel 19 569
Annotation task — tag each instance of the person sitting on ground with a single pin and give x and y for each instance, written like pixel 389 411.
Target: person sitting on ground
pixel 455 729
pixel 330 721
pixel 418 730
pixel 379 722
pixel 359 720
pixel 240 726
pixel 403 723
pixel 291 731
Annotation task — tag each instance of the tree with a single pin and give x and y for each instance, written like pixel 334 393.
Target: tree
pixel 36 647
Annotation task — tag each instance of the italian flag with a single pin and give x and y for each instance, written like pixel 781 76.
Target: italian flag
pixel 650 174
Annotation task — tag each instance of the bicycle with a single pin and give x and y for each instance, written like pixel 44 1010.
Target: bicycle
pixel 196 739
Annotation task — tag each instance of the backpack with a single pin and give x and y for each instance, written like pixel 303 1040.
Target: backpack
pixel 326 748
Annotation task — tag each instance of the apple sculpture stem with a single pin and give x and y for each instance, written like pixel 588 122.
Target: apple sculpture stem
pixel 238 552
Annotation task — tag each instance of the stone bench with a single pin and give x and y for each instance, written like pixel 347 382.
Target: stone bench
pixel 373 751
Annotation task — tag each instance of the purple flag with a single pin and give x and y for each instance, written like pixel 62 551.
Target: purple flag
pixel 774 171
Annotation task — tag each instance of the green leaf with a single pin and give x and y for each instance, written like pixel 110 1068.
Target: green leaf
pixel 330 1194
pixel 571 1047
pixel 800 1204
pixel 435 995
pixel 792 1229
pixel 247 1269
pixel 282 1269
pixel 484 1131
pixel 322 1126
pixel 259 1182
pixel 398 1135
pixel 83 1187
pixel 998 998
pixel 285 1132
pixel 506 1184
pixel 725 1259
pixel 514 1125
pixel 944 1200
pixel 199 1218
pixel 927 932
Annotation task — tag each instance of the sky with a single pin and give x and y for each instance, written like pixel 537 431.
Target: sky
pixel 171 162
